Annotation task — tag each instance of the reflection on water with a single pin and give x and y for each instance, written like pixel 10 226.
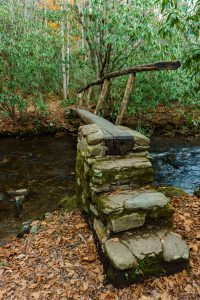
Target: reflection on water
pixel 45 165
pixel 176 162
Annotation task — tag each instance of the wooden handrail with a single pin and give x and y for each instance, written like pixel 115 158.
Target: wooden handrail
pixel 168 65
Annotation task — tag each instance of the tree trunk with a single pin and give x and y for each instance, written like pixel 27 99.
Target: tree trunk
pixel 127 95
pixel 80 99
pixel 68 51
pixel 102 96
pixel 45 17
pixel 63 54
pixel 88 97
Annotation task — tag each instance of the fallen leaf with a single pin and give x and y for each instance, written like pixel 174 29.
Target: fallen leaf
pixel 20 256
pixel 89 258
pixel 80 226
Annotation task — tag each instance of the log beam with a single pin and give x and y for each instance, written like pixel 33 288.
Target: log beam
pixel 160 66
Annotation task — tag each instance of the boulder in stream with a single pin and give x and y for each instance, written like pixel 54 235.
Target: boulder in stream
pixel 20 192
pixel 24 229
pixel 18 201
pixel 2 197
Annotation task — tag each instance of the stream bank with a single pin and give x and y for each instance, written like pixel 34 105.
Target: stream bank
pixel 171 120
pixel 46 166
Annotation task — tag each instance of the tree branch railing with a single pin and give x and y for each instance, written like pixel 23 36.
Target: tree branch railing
pixel 105 80
pixel 169 65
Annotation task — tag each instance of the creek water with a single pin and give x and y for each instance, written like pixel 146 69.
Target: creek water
pixel 176 162
pixel 46 166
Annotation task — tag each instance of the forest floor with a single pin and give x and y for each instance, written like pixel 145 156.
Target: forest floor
pixel 164 120
pixel 61 262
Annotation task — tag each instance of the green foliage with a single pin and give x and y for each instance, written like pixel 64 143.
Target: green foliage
pixel 138 32
pixel 103 36
pixel 10 103
pixel 29 65
pixel 182 18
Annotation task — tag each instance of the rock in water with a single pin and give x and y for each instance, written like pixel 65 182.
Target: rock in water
pixel 24 229
pixel 20 192
pixel 18 201
pixel 2 197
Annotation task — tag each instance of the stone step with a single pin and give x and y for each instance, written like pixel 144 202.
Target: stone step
pixel 146 252
pixel 120 173
pixel 124 210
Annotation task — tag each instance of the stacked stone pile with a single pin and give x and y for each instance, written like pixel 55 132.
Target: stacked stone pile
pixel 131 219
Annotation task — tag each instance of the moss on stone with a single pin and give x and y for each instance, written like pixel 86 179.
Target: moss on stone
pixel 163 215
pixel 160 215
pixel 136 177
pixel 172 191
pixel 83 183
pixel 148 266
pixel 197 192
pixel 69 203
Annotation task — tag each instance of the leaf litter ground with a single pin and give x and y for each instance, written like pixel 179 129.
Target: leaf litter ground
pixel 61 262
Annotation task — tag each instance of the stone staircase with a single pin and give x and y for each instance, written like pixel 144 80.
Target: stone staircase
pixel 132 221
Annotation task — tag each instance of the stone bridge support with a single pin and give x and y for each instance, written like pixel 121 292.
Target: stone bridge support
pixel 132 221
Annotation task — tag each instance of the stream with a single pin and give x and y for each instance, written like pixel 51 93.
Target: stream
pixel 176 162
pixel 46 166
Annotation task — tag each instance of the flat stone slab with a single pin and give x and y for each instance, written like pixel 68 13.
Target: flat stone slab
pixel 119 255
pixel 116 203
pixel 146 201
pixel 126 222
pixel 122 163
pixel 89 129
pixel 127 251
pixel 111 204
pixel 148 245
pixel 120 173
pixel 174 248
pixel 95 138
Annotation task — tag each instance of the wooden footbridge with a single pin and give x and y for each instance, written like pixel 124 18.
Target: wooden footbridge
pixel 105 82
pixel 131 220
